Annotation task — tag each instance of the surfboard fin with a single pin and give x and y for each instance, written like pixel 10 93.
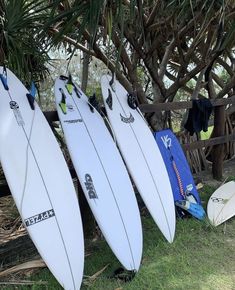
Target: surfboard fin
pixel 31 96
pixel 109 100
pixel 132 101
pixel 62 103
pixel 63 78
pixel 112 84
pixel 190 204
pixel 69 85
pixel 3 78
pixel 93 103
pixel 77 91
pixel 69 88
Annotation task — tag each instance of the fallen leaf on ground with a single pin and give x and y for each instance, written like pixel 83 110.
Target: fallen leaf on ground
pixel 25 266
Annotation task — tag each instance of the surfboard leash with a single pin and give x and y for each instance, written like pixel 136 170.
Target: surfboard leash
pixel 180 183
pixel 189 204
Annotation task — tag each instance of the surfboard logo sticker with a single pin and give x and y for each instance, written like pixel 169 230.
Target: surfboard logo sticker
pixel 109 100
pixel 219 200
pixel 127 120
pixel 70 107
pixel 166 141
pixel 39 217
pixel 73 121
pixel 90 187
pixel 189 187
pixel 15 107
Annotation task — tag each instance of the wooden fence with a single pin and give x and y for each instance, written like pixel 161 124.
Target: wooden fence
pixel 219 138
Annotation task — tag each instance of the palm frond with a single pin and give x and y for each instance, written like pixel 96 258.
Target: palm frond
pixel 20 49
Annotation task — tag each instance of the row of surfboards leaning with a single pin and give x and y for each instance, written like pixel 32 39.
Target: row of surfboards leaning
pixel 107 146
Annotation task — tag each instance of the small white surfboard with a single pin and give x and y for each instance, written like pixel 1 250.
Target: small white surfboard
pixel 102 174
pixel 41 184
pixel 142 156
pixel 221 205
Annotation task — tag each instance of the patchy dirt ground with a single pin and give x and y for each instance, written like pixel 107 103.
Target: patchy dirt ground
pixel 206 176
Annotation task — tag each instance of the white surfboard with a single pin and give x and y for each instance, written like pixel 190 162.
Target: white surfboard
pixel 141 155
pixel 40 183
pixel 102 174
pixel 221 205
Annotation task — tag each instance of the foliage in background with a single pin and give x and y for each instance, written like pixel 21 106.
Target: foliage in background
pixel 156 48
pixel 20 47
pixel 170 42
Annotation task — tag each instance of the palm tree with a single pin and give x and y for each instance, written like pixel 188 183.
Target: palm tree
pixel 21 49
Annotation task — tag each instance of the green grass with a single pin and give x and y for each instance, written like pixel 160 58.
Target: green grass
pixel 201 258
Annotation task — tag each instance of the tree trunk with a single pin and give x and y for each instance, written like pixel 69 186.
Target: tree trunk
pixel 218 150
pixel 85 70
pixel 157 120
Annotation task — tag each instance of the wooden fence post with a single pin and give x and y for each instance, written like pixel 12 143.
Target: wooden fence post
pixel 218 150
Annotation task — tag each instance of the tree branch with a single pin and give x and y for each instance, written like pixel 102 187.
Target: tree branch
pixel 230 85
pixel 198 84
pixel 171 91
pixel 152 15
pixel 225 66
pixel 132 73
pixel 166 57
pixel 184 88
pixel 73 42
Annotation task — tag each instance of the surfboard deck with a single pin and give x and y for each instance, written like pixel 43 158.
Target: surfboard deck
pixel 142 157
pixel 40 183
pixel 171 148
pixel 221 205
pixel 102 174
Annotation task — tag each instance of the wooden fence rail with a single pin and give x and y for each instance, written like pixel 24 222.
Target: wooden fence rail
pixel 147 108
pixel 210 142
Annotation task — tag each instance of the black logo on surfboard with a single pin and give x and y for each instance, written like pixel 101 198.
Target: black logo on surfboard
pixel 90 187
pixel 39 217
pixel 70 107
pixel 130 119
pixel 219 200
pixel 15 107
pixel 73 121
